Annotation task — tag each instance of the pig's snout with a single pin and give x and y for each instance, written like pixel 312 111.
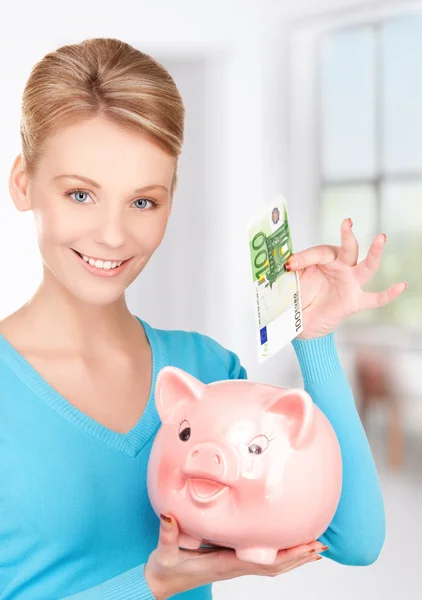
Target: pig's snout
pixel 208 460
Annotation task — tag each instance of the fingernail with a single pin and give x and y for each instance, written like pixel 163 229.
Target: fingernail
pixel 318 558
pixel 323 549
pixel 166 521
pixel 350 222
pixel 406 285
pixel 288 266
pixel 385 237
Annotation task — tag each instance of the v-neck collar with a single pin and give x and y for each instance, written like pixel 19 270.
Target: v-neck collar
pixel 130 442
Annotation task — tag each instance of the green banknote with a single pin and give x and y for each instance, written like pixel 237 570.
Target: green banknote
pixel 276 291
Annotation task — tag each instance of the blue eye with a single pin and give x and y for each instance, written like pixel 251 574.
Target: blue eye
pixel 80 194
pixel 144 202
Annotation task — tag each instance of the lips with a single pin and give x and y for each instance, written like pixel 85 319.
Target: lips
pixel 205 490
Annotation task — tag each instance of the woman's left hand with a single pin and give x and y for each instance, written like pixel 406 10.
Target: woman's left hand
pixel 331 281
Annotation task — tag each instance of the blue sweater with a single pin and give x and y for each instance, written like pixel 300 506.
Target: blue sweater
pixel 75 519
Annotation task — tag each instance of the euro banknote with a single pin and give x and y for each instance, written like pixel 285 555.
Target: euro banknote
pixel 276 291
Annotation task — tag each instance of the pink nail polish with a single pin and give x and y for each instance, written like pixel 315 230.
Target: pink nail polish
pixel 288 267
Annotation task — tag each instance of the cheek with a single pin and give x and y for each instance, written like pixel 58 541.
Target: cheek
pixel 149 234
pixel 56 226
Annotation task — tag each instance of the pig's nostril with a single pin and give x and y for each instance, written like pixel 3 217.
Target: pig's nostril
pixel 196 454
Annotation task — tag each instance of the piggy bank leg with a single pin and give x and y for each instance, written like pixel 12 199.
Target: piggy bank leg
pixel 188 542
pixel 260 556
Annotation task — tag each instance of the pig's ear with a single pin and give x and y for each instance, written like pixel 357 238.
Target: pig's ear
pixel 297 406
pixel 174 385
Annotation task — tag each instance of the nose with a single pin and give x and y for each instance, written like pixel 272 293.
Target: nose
pixel 110 229
pixel 207 459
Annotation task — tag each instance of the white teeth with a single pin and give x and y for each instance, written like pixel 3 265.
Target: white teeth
pixel 101 264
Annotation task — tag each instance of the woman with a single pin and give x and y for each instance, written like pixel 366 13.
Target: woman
pixel 102 129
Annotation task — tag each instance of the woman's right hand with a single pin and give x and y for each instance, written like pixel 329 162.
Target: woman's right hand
pixel 170 570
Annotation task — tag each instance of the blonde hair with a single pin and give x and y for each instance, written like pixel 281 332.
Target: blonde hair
pixel 100 76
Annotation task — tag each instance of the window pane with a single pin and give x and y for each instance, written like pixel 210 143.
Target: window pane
pixel 402 256
pixel 401 41
pixel 357 202
pixel 402 208
pixel 347 78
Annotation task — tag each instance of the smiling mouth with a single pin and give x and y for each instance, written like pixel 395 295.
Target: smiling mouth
pixel 205 490
pixel 104 260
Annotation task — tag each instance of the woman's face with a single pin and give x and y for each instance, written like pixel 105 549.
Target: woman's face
pixel 121 215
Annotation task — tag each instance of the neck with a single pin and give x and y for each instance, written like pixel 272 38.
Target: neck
pixel 56 318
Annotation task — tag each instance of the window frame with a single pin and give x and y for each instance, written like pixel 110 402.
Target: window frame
pixel 305 39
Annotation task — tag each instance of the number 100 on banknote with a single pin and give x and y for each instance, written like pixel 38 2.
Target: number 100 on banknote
pixel 278 308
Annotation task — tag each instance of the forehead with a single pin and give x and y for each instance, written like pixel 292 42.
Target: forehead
pixel 100 149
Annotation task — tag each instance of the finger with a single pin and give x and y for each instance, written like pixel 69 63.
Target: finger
pixel 199 551
pixel 286 560
pixel 291 557
pixel 285 565
pixel 317 255
pixel 168 542
pixel 294 553
pixel 298 552
pixel 377 299
pixel 303 561
pixel 349 249
pixel 366 269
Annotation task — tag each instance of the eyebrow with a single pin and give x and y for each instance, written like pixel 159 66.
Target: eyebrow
pixel 97 185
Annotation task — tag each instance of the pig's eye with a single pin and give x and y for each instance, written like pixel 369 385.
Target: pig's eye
pixel 258 445
pixel 184 431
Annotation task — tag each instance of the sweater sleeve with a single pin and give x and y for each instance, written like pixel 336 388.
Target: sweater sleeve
pixel 130 585
pixel 356 534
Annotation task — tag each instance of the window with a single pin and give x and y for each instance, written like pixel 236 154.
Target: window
pixel 370 150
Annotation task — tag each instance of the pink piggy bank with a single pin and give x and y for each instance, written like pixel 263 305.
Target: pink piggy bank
pixel 243 465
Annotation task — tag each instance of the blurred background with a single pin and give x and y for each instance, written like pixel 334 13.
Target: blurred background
pixel 320 100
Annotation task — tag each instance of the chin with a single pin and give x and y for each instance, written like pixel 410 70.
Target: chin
pixel 90 292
